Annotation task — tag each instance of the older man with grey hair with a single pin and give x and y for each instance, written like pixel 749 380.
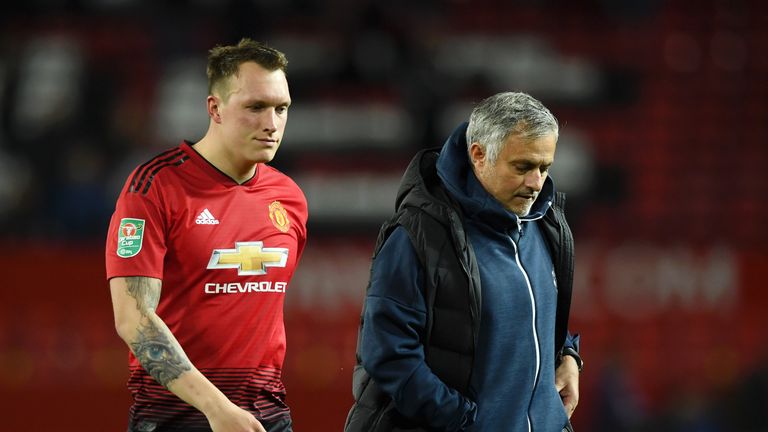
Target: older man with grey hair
pixel 465 322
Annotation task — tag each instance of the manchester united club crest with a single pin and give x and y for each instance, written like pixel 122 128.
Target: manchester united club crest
pixel 279 216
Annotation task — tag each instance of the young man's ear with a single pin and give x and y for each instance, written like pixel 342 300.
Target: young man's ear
pixel 214 103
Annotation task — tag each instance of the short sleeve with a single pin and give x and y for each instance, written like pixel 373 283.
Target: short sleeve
pixel 136 240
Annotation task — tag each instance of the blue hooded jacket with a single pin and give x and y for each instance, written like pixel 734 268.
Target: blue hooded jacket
pixel 512 386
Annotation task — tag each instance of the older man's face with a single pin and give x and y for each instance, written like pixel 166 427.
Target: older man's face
pixel 517 176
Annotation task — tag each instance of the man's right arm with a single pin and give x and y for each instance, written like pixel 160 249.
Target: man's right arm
pixel 392 349
pixel 134 300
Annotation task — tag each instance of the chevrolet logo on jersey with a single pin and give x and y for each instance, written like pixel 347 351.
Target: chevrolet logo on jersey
pixel 249 258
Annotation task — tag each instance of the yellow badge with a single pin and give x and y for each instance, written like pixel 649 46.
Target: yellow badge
pixel 279 216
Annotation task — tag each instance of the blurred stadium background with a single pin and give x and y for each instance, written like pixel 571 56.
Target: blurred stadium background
pixel 664 112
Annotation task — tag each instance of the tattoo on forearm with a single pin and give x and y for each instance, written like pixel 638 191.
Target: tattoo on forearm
pixel 158 354
pixel 154 347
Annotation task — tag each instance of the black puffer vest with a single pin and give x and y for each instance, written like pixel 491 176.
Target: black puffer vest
pixel 452 291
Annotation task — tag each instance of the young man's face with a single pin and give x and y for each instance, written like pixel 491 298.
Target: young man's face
pixel 518 174
pixel 253 113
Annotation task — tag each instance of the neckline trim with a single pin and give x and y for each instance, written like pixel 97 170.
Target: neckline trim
pixel 214 171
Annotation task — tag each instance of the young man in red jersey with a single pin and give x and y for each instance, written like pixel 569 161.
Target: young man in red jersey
pixel 200 253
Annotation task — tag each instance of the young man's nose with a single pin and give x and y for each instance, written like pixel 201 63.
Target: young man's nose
pixel 270 120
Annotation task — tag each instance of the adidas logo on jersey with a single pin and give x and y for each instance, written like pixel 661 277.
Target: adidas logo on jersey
pixel 206 218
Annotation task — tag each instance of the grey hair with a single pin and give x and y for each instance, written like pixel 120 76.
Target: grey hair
pixel 496 118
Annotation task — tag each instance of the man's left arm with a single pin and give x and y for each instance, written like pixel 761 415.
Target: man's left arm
pixel 567 374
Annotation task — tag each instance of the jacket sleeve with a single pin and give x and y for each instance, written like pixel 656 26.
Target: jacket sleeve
pixel 572 341
pixel 571 347
pixel 391 345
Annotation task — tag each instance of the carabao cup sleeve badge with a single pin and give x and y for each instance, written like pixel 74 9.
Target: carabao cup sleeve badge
pixel 129 237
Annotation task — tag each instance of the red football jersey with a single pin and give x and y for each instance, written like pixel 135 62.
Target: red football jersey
pixel 225 253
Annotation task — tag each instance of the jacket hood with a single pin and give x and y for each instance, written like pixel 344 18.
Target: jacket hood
pixel 420 187
pixel 455 171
